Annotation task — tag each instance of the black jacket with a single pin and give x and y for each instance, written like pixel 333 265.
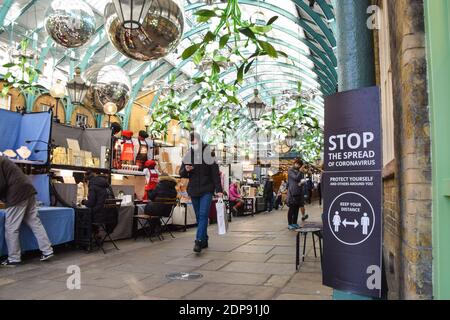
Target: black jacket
pixel 15 186
pixel 99 191
pixel 162 197
pixel 295 190
pixel 205 178
pixel 268 189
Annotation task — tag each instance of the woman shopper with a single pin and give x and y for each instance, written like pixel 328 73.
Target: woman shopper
pixel 295 197
pixel 268 194
pixel 235 197
pixel 19 195
pixel 200 167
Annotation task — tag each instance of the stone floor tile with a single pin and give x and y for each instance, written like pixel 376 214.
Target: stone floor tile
pixel 219 291
pixel 282 258
pixel 258 267
pixel 189 261
pixel 233 277
pixel 175 289
pixel 277 281
pixel 214 265
pixel 283 250
pixel 254 249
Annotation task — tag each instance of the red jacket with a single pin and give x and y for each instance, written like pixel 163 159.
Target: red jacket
pixel 151 176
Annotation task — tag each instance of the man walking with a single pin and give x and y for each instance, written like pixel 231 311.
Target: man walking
pixel 17 192
pixel 203 172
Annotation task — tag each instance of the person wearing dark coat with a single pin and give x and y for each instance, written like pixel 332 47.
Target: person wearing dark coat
pixel 200 167
pixel 268 194
pixel 295 197
pixel 162 197
pixel 99 191
pixel 19 195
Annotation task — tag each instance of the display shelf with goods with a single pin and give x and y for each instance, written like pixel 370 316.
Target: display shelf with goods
pixel 127 172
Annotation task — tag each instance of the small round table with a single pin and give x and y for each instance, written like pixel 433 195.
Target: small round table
pixel 315 232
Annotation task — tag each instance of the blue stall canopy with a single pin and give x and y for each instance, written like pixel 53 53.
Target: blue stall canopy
pixel 17 129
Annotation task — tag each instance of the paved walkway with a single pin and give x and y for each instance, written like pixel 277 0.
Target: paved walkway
pixel 255 260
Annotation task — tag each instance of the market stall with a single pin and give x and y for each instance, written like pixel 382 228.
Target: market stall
pixel 25 139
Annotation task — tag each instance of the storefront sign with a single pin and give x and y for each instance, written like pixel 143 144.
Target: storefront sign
pixel 353 192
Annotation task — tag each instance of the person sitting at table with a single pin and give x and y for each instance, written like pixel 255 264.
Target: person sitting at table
pixel 19 196
pixel 151 177
pixel 99 191
pixel 164 193
pixel 235 197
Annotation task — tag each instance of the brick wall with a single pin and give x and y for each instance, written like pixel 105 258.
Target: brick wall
pixel 392 232
pixel 407 244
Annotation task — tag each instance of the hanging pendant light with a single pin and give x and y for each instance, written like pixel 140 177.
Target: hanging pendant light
pixel 77 88
pixel 132 12
pixel 256 106
pixel 291 139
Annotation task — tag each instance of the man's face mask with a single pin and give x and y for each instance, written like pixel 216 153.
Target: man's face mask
pixel 196 146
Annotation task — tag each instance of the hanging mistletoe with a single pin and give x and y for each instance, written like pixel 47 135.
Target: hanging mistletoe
pixel 225 47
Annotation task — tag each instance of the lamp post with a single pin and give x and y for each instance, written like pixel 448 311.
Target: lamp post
pixel 57 91
pixel 77 88
pixel 110 109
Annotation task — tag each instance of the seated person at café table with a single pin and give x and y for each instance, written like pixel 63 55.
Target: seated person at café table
pixel 162 198
pixel 19 196
pixel 99 191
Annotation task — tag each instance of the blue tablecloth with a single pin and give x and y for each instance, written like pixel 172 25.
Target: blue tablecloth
pixel 58 222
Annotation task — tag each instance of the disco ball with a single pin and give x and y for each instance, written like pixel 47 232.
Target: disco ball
pixel 153 35
pixel 70 23
pixel 107 83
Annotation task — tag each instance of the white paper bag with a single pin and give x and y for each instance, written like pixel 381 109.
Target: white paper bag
pixel 220 207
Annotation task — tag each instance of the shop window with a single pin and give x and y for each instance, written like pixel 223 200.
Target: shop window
pixel 81 120
pixel 5 102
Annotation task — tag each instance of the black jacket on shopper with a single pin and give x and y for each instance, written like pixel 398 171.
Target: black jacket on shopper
pixel 99 191
pixel 205 178
pixel 162 198
pixel 268 189
pixel 295 196
pixel 15 186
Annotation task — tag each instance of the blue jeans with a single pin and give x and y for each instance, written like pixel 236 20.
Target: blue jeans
pixel 201 207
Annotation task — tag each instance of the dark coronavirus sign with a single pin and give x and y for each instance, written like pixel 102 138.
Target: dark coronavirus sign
pixel 352 189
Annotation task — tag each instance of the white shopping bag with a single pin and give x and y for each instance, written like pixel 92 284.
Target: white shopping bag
pixel 220 208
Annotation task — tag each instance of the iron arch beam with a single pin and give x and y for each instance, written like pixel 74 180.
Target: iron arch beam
pixel 326 65
pixel 318 20
pixel 4 11
pixel 287 66
pixel 326 9
pixel 21 12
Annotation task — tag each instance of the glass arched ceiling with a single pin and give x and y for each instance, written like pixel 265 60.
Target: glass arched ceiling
pixel 303 32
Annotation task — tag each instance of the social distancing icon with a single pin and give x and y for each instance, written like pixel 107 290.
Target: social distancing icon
pixel 351 218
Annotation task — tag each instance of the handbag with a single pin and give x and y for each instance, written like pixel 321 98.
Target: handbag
pixel 220 208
